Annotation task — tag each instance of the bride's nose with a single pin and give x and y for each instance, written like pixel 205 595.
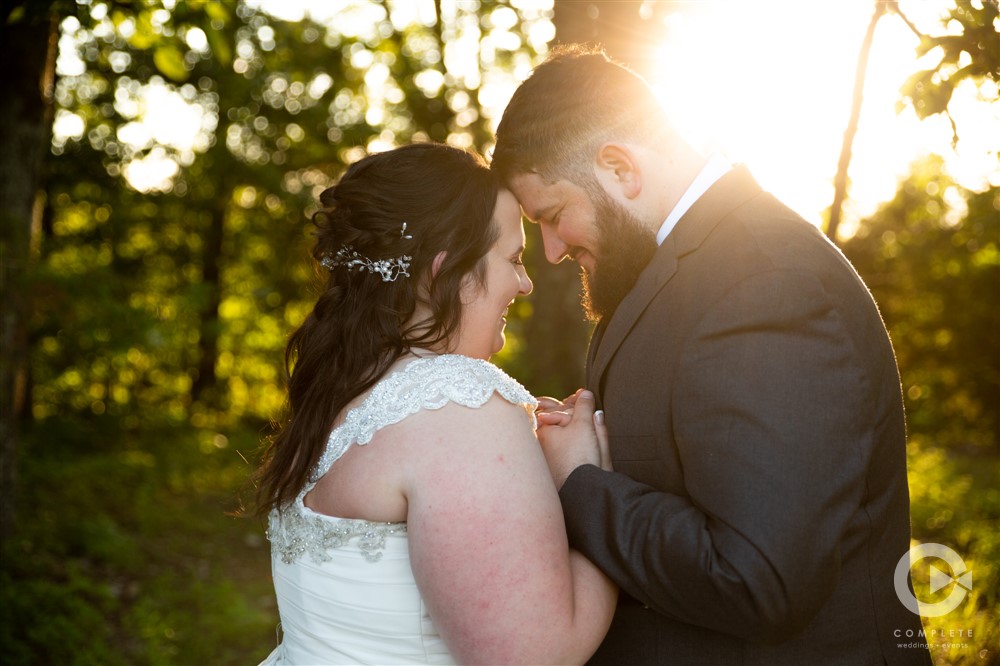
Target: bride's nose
pixel 526 285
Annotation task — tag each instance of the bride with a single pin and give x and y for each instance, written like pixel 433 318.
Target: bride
pixel 412 516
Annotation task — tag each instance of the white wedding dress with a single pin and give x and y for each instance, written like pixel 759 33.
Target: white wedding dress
pixel 346 592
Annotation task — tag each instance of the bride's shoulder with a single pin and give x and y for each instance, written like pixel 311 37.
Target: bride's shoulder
pixel 444 398
pixel 454 378
pixel 462 400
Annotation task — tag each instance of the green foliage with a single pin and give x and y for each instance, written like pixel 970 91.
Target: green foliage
pixel 931 259
pixel 969 49
pixel 129 556
pixel 62 618
pixel 955 501
pixel 182 295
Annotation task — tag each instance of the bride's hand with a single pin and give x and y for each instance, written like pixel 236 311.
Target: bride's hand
pixel 547 404
pixel 572 434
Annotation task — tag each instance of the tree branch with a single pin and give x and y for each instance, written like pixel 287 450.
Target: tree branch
pixel 840 181
pixel 894 6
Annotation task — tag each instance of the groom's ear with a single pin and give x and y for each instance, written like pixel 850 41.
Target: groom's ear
pixel 618 170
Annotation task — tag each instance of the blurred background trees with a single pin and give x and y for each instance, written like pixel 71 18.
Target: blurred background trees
pixel 930 257
pixel 153 263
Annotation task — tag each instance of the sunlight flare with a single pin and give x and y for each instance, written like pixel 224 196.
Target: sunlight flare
pixel 770 85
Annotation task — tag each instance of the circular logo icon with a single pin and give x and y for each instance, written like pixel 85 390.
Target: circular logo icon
pixel 938 579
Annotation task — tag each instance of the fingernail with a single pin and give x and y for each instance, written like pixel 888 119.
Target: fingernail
pixel 586 394
pixel 599 417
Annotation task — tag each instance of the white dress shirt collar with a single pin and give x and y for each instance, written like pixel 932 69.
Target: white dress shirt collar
pixel 716 167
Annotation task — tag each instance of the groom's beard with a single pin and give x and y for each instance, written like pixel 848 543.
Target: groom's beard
pixel 624 248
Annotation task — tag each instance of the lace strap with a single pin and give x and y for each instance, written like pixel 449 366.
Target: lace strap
pixel 426 383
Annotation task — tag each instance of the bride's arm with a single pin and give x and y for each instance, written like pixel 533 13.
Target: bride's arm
pixel 488 544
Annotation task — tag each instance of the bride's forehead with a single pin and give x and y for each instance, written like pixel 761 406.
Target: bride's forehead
pixel 507 206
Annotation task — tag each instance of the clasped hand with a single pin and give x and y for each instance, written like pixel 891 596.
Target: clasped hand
pixel 572 434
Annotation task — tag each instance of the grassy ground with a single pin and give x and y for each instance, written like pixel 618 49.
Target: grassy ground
pixel 128 555
pixel 955 501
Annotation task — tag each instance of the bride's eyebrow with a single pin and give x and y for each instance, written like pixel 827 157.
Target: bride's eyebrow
pixel 516 252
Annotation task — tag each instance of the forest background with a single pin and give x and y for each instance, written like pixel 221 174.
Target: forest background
pixel 150 282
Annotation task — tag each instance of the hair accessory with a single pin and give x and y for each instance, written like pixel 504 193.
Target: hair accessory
pixel 403 234
pixel 389 269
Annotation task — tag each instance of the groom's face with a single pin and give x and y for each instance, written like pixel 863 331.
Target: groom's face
pixel 565 215
pixel 591 228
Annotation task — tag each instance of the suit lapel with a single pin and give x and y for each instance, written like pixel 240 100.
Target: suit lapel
pixel 595 343
pixel 729 192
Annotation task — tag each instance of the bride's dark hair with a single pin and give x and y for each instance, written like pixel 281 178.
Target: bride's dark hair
pixel 361 325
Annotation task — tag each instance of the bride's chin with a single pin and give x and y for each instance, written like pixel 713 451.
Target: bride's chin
pixel 502 341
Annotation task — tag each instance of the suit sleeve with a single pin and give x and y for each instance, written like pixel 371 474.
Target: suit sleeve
pixel 773 431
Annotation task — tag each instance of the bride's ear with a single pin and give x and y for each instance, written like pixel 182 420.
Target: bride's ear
pixel 426 280
pixel 436 264
pixel 618 169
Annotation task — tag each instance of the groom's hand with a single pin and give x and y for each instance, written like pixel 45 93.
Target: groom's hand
pixel 571 434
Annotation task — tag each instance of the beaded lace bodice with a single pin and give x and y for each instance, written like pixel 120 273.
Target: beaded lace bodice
pixel 425 383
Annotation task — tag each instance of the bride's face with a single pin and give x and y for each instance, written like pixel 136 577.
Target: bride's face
pixel 484 306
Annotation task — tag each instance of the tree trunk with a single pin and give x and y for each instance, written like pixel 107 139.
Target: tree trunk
pixel 840 181
pixel 625 28
pixel 208 341
pixel 29 50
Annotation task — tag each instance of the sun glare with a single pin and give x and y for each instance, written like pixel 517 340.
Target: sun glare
pixel 770 84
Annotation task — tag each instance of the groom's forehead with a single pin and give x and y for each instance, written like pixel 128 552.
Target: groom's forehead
pixel 538 197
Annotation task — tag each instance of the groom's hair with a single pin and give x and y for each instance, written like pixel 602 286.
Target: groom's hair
pixel 572 103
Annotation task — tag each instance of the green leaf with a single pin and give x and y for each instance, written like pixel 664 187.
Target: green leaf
pixel 217 11
pixel 16 15
pixel 914 85
pixel 145 34
pixel 219 43
pixel 170 61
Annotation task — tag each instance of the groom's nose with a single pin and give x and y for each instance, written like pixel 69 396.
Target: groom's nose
pixel 555 249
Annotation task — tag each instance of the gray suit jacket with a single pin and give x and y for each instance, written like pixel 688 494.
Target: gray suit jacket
pixel 759 501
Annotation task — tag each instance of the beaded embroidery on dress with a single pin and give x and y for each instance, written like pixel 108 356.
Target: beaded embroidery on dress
pixel 345 589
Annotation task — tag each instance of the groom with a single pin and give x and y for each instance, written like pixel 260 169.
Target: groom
pixel 758 506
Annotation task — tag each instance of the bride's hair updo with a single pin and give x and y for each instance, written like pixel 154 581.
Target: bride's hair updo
pixel 362 322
